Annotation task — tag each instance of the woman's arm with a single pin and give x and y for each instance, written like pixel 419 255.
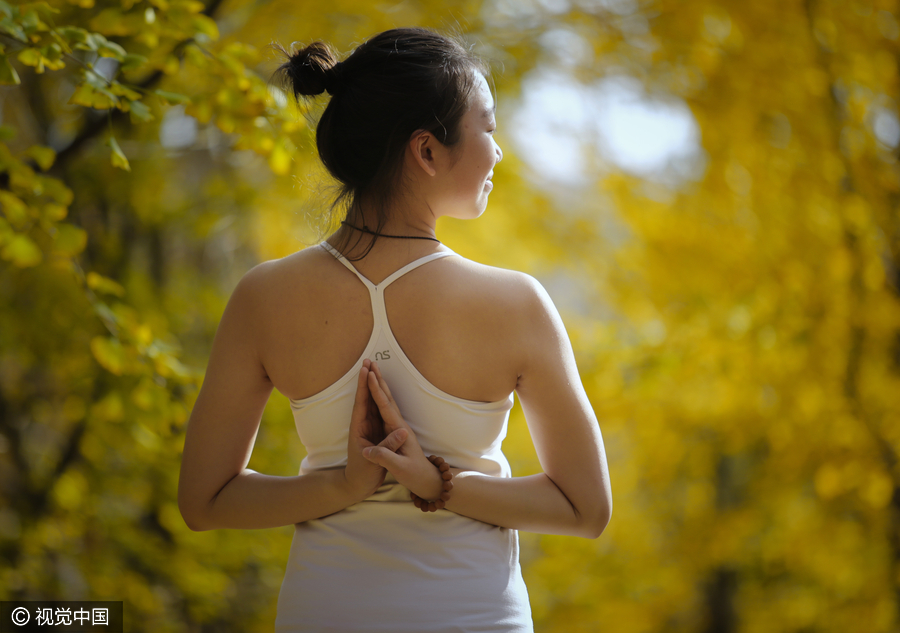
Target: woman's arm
pixel 215 487
pixel 573 495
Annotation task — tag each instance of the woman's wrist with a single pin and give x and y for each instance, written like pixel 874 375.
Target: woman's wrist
pixel 352 492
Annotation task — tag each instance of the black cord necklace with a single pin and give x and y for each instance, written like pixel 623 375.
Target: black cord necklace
pixel 366 229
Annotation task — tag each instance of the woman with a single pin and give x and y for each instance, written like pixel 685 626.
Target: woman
pixel 409 351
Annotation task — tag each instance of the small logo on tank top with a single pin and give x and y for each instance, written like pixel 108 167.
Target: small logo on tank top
pixel 385 355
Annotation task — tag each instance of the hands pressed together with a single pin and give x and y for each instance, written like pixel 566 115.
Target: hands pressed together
pixel 381 441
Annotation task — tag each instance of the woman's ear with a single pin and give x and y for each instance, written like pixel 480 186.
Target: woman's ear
pixel 423 146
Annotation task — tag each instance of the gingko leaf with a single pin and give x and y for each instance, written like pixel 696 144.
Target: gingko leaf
pixel 111 49
pixel 69 239
pixel 118 157
pixel 140 111
pixel 172 97
pixel 132 61
pixel 104 284
pixel 22 251
pixel 8 74
pixel 53 212
pixel 15 210
pixel 89 95
pixel 8 25
pixel 110 408
pixel 124 91
pixel 73 34
pixel 43 156
pixel 109 353
pixel 32 57
pixel 207 26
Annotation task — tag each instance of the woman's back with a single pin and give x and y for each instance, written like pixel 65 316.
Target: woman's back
pixel 447 572
pixel 458 322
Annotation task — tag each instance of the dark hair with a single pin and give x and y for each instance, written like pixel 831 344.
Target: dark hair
pixel 392 85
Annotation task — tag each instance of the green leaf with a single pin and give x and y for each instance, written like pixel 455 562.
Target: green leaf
pixel 73 34
pixel 5 9
pixel 104 284
pixel 111 49
pixel 132 61
pixel 109 353
pixel 22 251
pixel 118 157
pixel 172 97
pixel 140 111
pixel 69 239
pixel 8 74
pixel 13 29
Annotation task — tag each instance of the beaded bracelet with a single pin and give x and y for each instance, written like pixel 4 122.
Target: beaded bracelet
pixel 446 475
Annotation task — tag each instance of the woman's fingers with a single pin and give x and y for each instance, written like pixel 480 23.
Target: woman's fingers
pixel 390 414
pixel 381 381
pixel 361 402
pixel 395 440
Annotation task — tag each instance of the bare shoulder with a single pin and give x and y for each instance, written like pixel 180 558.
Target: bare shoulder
pixel 501 286
pixel 501 283
pixel 275 278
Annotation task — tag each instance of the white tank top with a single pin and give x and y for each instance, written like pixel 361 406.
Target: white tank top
pixel 382 564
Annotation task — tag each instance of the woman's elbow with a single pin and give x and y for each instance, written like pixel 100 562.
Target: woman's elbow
pixel 191 519
pixel 594 525
pixel 193 515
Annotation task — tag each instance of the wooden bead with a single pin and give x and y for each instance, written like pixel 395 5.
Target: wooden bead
pixel 446 485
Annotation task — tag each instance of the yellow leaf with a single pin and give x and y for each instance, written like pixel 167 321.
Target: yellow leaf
pixel 15 210
pixel 22 252
pixel 69 239
pixel 109 353
pixel 118 157
pixel 43 156
pixel 109 409
pixel 104 284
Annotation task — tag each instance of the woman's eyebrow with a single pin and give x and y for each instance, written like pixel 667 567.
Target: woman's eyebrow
pixel 488 112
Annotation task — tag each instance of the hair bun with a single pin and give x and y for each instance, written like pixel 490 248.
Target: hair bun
pixel 311 71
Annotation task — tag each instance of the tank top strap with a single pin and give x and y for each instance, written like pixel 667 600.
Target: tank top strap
pixel 393 276
pixel 337 255
pixel 387 281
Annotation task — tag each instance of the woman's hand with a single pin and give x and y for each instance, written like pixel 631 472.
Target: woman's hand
pixel 407 463
pixel 367 430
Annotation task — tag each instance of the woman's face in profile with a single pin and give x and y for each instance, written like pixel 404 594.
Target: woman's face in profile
pixel 470 177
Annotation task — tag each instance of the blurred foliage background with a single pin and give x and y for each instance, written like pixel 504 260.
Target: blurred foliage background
pixel 736 320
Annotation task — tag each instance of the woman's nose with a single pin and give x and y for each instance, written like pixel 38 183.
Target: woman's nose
pixel 499 152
